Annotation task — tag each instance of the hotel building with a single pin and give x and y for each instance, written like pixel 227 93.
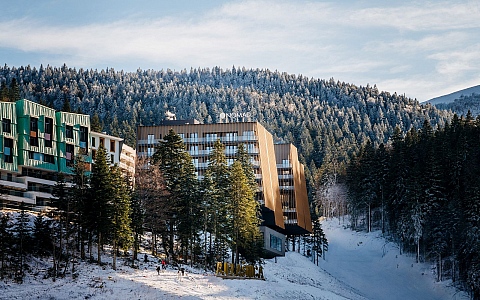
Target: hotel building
pixel 284 208
pixel 37 143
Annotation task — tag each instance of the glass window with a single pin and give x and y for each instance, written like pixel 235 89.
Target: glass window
pixel 6 125
pixel 151 139
pixel 193 150
pixel 69 154
pixel 34 124
pixel 69 132
pixel 231 136
pixel 84 137
pixel 8 150
pixel 34 155
pixel 211 137
pixel 49 125
pixel 94 141
pixel 275 243
pixel 150 152
pixel 48 158
pixel 112 146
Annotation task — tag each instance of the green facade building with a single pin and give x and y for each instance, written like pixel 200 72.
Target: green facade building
pixel 36 143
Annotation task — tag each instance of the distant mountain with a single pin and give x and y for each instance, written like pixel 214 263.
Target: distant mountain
pixel 460 102
pixel 455 95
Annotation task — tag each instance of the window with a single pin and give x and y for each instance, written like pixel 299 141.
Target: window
pixel 102 142
pixel 286 162
pixel 48 132
pixel 69 154
pixel 8 150
pixel 275 243
pixel 83 137
pixel 182 135
pixel 33 131
pixel 151 139
pixel 193 137
pixel 211 137
pixel 150 152
pixel 34 155
pixel 112 159
pixel 48 125
pixel 34 141
pixel 34 124
pixel 112 146
pixel 94 142
pixel 229 149
pixel 94 153
pixel 6 125
pixel 48 158
pixel 69 132
pixel 193 150
pixel 231 136
pixel 249 133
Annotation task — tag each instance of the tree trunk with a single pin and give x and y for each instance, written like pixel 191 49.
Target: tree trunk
pixel 99 248
pixel 114 262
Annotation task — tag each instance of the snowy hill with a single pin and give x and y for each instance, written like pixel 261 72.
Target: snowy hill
pixel 357 266
pixel 455 95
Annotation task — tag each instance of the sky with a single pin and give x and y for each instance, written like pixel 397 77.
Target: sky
pixel 422 49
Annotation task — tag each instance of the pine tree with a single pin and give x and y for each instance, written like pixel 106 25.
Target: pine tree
pixel 79 201
pixel 21 230
pixel 178 172
pixel 243 213
pixel 14 91
pixel 6 242
pixel 100 199
pixel 95 123
pixel 152 208
pixel 121 232
pixel 41 235
pixel 4 92
pixel 217 175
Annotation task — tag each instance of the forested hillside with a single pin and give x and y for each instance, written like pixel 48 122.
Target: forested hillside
pixel 326 119
pixel 424 191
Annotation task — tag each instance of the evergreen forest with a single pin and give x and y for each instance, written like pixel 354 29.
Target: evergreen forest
pixel 423 190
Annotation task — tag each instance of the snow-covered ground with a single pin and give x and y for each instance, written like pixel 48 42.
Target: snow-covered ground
pixel 355 268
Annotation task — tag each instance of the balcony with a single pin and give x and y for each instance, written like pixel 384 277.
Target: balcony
pixel 286 188
pixel 13 182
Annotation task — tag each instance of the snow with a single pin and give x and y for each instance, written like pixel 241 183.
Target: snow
pixel 357 266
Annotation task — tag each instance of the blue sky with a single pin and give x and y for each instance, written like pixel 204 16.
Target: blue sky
pixel 419 48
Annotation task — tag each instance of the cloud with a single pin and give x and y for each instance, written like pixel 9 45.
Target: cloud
pixel 354 42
